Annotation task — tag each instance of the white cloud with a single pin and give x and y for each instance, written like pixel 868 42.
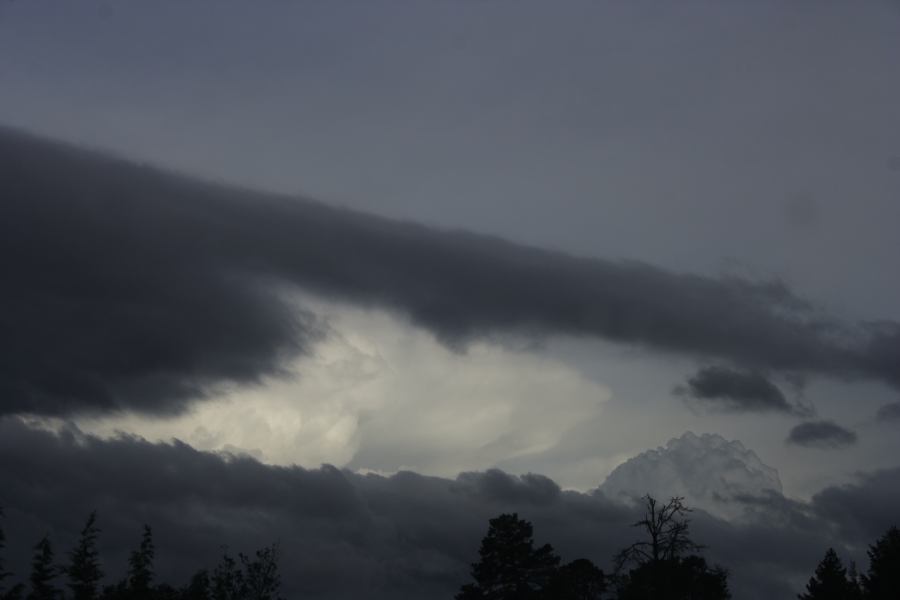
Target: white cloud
pixel 381 395
pixel 707 470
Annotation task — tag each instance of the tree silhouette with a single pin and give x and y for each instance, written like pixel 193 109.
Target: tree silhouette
pixel 882 582
pixel 140 567
pixel 84 571
pixel 830 581
pixel 4 574
pixel 227 579
pixel 15 592
pixel 664 570
pixel 683 578
pixel 666 527
pixel 261 580
pixel 43 572
pixel 198 588
pixel 511 568
pixel 577 580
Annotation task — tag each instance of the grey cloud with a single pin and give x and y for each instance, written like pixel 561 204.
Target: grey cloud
pixel 127 287
pixel 407 535
pixel 889 412
pixel 863 509
pixel 738 390
pixel 496 485
pixel 821 434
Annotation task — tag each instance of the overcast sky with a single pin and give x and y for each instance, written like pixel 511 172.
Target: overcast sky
pixel 540 237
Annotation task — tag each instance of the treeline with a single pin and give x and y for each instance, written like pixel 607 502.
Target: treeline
pixel 665 564
pixel 80 576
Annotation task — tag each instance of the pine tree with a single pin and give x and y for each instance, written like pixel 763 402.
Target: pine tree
pixel 830 581
pixel 4 574
pixel 43 572
pixel 140 567
pixel 84 571
pixel 15 592
pixel 882 582
pixel 511 568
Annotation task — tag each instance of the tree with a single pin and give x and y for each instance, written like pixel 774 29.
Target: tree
pixel 43 572
pixel 511 568
pixel 577 580
pixel 682 578
pixel 140 567
pixel 261 580
pixel 227 579
pixel 666 526
pixel 15 592
pixel 882 582
pixel 198 588
pixel 84 571
pixel 830 581
pixel 663 568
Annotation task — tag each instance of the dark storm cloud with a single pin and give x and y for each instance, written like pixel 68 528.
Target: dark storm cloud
pixel 406 536
pixel 889 412
pixel 863 509
pixel 126 287
pixel 737 390
pixel 821 434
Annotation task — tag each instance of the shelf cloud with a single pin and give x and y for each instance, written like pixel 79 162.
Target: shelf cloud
pixel 131 288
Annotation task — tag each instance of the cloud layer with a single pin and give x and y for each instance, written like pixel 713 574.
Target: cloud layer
pixel 406 535
pixel 132 288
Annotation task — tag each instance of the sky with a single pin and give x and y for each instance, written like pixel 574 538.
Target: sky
pixel 484 237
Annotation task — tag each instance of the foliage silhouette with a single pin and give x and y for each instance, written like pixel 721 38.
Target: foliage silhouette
pixel 510 567
pixel 15 592
pixel 84 570
pixel 830 581
pixel 882 582
pixel 577 580
pixel 682 578
pixel 43 572
pixel 261 578
pixel 663 568
pixel 140 567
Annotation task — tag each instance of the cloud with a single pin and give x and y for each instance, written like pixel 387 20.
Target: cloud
pixel 736 390
pixel 707 470
pixel 821 434
pixel 862 509
pixel 130 288
pixel 380 395
pixel 406 535
pixel 889 412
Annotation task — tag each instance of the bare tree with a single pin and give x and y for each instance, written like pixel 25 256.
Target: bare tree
pixel 666 526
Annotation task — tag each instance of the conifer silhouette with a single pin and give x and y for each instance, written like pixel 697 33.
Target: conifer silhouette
pixel 15 592
pixel 830 581
pixel 84 572
pixel 43 572
pixel 140 567
pixel 511 568
pixel 882 582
